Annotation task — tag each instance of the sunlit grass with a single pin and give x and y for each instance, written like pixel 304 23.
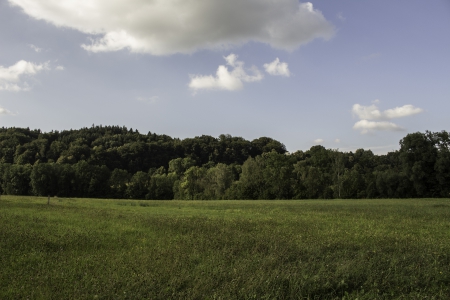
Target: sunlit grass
pixel 124 249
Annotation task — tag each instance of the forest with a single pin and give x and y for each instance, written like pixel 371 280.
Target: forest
pixel 120 163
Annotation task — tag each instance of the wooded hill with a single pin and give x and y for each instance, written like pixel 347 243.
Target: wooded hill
pixel 116 162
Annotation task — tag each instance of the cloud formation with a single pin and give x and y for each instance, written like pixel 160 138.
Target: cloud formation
pixel 367 126
pixel 165 27
pixel 318 141
pixel 277 69
pixel 373 113
pixel 366 113
pixel 225 79
pixel 35 48
pixel 4 111
pixel 10 78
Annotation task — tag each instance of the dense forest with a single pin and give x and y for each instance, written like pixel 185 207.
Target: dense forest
pixel 116 162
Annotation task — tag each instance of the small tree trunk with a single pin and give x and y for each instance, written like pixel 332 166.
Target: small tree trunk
pixel 339 186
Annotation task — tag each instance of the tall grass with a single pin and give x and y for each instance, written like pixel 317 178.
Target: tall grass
pixel 110 249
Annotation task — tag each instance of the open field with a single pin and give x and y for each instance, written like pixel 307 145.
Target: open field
pixel 125 249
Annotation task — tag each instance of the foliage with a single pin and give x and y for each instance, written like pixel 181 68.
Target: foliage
pixel 116 162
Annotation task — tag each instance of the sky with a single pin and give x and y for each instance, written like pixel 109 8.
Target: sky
pixel 344 74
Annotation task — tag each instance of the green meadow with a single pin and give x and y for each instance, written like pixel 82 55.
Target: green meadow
pixel 313 249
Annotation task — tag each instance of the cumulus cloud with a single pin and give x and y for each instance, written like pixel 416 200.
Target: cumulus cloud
pixel 373 113
pixel 35 48
pixel 59 68
pixel 276 68
pixel 367 126
pixel 366 113
pixel 10 77
pixel 4 111
pixel 400 112
pixel 337 140
pixel 173 26
pixel 318 141
pixel 225 79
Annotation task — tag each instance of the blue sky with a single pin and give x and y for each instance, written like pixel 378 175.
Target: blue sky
pixel 343 74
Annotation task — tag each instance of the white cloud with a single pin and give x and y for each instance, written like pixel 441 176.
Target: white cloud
pixel 400 112
pixel 318 141
pixel 276 68
pixel 366 113
pixel 60 68
pixel 10 77
pixel 341 17
pixel 225 79
pixel 337 140
pixel 373 113
pixel 4 111
pixel 367 126
pixel 171 26
pixel 35 48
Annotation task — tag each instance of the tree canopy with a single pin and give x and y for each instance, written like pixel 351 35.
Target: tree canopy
pixel 117 162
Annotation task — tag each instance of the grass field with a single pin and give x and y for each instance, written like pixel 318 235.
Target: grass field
pixel 124 249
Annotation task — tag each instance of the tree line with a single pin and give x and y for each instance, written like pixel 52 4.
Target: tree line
pixel 117 162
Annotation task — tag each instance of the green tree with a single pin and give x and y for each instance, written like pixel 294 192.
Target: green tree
pixel 266 144
pixel 191 185
pixel 353 183
pixel 91 181
pixel 99 183
pixel 217 180
pixel 138 186
pixel 161 186
pixel 314 174
pixel 442 164
pixel 56 148
pixel 180 165
pixel 338 170
pixel 44 180
pixel 118 183
pixel 278 173
pixel 16 179
pixel 442 169
pixel 251 182
pixel 67 181
pixel 418 156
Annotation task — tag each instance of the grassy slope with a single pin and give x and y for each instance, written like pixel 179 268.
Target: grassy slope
pixel 85 248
